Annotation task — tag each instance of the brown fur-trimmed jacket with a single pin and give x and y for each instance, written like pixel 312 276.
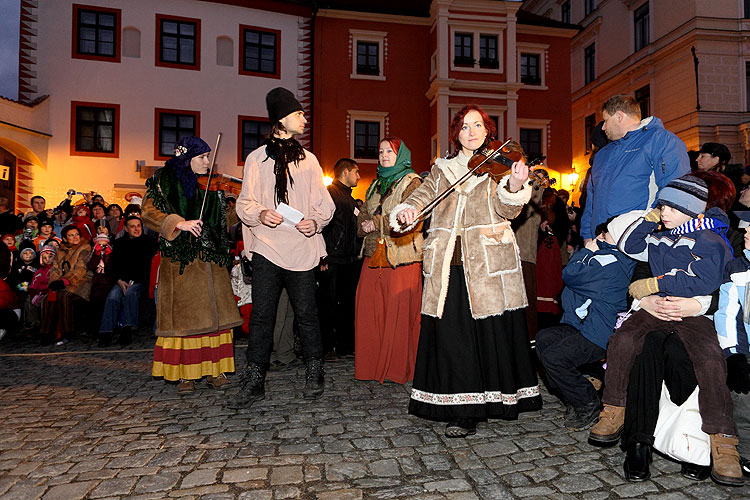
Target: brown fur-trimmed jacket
pixel 200 300
pixel 70 264
pixel 478 211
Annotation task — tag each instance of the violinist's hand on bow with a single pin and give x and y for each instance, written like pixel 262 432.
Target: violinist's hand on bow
pixel 194 227
pixel 407 216
pixel 519 173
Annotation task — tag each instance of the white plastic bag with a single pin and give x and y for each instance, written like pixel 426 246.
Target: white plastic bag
pixel 678 431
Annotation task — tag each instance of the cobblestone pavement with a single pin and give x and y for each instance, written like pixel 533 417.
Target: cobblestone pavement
pixel 77 422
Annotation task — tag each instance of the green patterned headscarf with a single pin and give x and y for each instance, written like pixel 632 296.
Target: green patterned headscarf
pixel 388 175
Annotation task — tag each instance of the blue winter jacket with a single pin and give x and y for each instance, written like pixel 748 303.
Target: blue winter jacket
pixel 629 173
pixel 596 289
pixel 734 304
pixel 686 265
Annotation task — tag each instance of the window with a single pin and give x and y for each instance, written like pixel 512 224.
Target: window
pixel 178 42
pixel 366 139
pixel 640 24
pixel 565 11
pixel 589 125
pixel 488 52
pixel 589 54
pixel 171 126
pixel 463 49
pixel 746 9
pixel 530 69
pixel 259 52
pixel 367 58
pixel 224 51
pixel 252 132
pixel 531 142
pixel 94 129
pixel 747 85
pixel 368 52
pixel 96 33
pixel 588 7
pixel 643 95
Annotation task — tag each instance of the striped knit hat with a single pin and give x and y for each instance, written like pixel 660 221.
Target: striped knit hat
pixel 688 194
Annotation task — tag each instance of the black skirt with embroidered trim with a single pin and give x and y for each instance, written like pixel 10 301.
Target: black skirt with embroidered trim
pixel 475 368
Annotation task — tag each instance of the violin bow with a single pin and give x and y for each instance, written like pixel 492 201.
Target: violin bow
pixel 210 173
pixel 431 205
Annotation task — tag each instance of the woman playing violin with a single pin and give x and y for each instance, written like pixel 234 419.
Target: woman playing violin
pixel 474 360
pixel 195 306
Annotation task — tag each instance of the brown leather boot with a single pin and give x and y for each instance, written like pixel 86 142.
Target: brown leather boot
pixel 725 461
pixel 609 428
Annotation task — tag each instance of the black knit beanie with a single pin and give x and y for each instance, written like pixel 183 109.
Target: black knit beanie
pixel 280 103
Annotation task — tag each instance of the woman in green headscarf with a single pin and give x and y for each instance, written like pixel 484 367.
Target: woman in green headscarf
pixel 389 294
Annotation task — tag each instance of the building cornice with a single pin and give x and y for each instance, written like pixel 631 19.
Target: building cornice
pixel 527 29
pixel 375 17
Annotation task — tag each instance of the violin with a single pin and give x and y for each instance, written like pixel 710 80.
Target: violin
pixel 496 158
pixel 220 182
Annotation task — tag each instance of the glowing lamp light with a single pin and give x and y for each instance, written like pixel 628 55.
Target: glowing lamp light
pixel 327 180
pixel 573 180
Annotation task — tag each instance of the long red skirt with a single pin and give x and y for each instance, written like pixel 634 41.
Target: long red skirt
pixel 387 322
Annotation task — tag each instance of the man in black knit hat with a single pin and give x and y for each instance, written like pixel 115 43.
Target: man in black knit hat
pixel 284 205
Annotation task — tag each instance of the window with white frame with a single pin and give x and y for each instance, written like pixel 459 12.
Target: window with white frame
pixel 366 128
pixel 532 61
pixel 532 134
pixel 367 51
pixel 477 48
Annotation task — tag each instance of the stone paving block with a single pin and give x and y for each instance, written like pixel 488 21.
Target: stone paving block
pixel 24 489
pixel 89 465
pixel 542 474
pixel 348 494
pixel 448 486
pixel 531 491
pixel 496 449
pixel 200 477
pixel 345 470
pixel 160 482
pixel 462 495
pixel 199 491
pixel 495 492
pixel 370 443
pixel 287 475
pixel 631 490
pixel 70 491
pixel 673 495
pixel 397 492
pixel 256 495
pixel 384 468
pixel 577 483
pixel 114 487
pixel 243 475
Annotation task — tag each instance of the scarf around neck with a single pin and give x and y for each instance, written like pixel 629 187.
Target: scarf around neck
pixel 702 223
pixel 283 152
pixel 389 175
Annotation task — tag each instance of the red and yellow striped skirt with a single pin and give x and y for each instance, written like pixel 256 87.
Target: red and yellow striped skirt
pixel 194 357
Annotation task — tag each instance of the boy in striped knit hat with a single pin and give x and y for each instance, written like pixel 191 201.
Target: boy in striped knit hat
pixel 687 250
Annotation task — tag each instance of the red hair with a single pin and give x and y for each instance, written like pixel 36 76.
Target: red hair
pixel 395 142
pixel 458 122
pixel 721 190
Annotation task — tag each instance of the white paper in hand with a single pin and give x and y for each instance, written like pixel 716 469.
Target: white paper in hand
pixel 291 215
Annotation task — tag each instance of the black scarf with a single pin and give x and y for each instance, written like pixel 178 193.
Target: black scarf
pixel 283 152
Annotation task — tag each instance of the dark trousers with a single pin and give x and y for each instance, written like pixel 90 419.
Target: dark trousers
pixel 563 350
pixel 699 338
pixel 336 293
pixel 268 280
pixel 529 280
pixel 60 312
pixel 663 358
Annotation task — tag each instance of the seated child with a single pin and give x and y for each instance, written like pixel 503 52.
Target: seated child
pixel 687 258
pixel 596 288
pixel 732 321
pixel 45 232
pixel 38 288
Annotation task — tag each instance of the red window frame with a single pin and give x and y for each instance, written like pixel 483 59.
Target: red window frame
pixel 241 44
pixel 240 119
pixel 116 136
pixel 118 34
pixel 157 114
pixel 157 42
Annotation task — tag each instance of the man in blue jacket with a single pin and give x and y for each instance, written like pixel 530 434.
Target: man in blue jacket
pixel 596 286
pixel 629 172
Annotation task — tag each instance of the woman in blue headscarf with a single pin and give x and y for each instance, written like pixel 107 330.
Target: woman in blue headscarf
pixel 389 294
pixel 195 308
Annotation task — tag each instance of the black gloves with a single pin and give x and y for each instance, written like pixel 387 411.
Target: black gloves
pixel 56 285
pixel 738 374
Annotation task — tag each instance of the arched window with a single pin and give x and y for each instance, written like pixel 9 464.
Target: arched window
pixel 131 42
pixel 224 51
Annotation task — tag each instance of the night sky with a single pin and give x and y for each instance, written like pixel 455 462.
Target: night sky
pixel 9 16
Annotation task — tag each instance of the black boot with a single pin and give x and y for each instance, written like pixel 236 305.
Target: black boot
pixel 314 380
pixel 252 386
pixel 105 339
pixel 126 336
pixel 637 462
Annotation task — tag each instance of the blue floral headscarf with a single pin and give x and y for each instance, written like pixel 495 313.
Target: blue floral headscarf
pixel 185 150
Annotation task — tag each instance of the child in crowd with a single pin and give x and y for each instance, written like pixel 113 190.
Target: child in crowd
pixel 23 269
pixel 732 321
pixel 596 284
pixel 46 231
pixel 10 242
pixel 687 258
pixel 38 288
pixel 82 221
